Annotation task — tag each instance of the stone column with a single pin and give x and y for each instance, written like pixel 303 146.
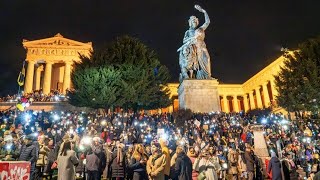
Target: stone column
pixel 29 78
pixel 67 77
pixel 235 103
pixel 38 77
pixel 258 96
pixel 245 103
pixel 266 98
pixel 273 89
pixel 252 104
pixel 225 104
pixel 47 78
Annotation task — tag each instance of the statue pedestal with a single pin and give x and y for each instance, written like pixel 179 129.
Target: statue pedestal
pixel 199 95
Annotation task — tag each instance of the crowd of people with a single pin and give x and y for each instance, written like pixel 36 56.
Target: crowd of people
pixel 69 145
pixel 36 96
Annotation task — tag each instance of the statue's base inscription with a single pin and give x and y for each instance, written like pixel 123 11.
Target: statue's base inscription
pixel 199 95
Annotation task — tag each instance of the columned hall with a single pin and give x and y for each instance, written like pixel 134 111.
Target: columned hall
pixel 50 62
pixel 258 92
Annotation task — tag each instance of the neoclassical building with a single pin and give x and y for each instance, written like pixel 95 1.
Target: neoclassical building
pixel 50 63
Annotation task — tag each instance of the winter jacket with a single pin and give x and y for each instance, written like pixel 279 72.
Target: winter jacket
pixel 165 151
pixel 275 166
pixel 233 161
pixel 156 165
pixel 289 170
pixel 29 153
pixel 249 161
pixel 66 166
pixel 242 167
pixel 183 168
pixel 43 155
pixel 118 165
pixel 92 162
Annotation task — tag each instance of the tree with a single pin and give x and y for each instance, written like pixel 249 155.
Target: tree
pixel 298 82
pixel 96 87
pixel 141 81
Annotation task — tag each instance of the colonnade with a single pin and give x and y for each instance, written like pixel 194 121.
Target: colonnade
pixel 259 97
pixel 46 86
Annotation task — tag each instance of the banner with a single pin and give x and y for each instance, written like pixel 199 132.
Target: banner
pixel 14 170
pixel 22 75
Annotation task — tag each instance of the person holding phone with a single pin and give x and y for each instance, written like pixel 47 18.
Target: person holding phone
pixel 138 163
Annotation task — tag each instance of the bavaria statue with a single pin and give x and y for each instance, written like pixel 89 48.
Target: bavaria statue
pixel 194 59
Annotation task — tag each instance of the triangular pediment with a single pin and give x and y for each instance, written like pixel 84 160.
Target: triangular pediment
pixel 57 41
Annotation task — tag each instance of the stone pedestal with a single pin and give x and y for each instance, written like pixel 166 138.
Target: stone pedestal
pixel 199 95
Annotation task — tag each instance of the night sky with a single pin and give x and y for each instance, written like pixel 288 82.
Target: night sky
pixel 243 37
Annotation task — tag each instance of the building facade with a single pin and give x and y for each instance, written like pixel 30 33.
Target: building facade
pixel 50 61
pixel 50 64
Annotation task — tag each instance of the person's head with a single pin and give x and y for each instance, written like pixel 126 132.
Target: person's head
pixel 155 149
pixel 180 150
pixel 193 22
pixel 138 152
pixel 212 150
pixel 149 149
pixel 130 149
pixel 65 148
pixel 50 143
pixel 41 139
pixel 204 153
pixel 192 150
pixel 28 139
pixel 96 141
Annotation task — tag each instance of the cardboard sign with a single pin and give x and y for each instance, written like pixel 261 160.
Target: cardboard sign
pixel 197 123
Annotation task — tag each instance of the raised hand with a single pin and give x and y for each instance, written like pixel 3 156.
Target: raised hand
pixel 199 8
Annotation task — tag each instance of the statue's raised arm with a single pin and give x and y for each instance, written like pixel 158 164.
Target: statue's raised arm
pixel 194 59
pixel 206 17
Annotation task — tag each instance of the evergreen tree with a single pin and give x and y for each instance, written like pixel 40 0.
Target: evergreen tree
pixel 96 87
pixel 298 83
pixel 141 81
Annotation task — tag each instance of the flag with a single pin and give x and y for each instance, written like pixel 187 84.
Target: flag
pixel 22 75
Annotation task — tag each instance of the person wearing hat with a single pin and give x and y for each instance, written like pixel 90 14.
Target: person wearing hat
pixel 98 150
pixel 156 163
pixel 29 153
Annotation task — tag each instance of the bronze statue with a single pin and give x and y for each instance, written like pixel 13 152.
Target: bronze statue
pixel 194 59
